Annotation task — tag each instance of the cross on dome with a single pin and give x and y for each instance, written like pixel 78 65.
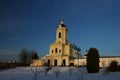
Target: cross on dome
pixel 62 21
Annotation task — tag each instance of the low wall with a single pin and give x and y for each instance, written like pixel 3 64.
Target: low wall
pixel 38 62
pixel 104 62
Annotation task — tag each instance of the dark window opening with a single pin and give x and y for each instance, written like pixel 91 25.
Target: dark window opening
pixel 59 36
pixel 48 62
pixel 59 42
pixel 64 63
pixel 56 50
pixel 71 64
pixel 52 51
pixel 59 51
pixel 55 62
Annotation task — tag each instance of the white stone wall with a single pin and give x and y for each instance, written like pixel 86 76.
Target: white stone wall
pixel 80 62
pixel 104 62
pixel 38 62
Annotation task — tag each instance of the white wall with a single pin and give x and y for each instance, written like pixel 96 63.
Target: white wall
pixel 104 62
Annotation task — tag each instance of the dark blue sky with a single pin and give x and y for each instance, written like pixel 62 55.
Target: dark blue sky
pixel 32 24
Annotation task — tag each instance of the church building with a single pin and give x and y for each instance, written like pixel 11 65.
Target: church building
pixel 61 52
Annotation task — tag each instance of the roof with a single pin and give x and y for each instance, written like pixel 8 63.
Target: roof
pixel 63 25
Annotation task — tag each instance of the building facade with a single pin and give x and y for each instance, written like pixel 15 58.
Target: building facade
pixel 63 53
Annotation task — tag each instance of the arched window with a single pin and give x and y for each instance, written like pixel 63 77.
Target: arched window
pixel 59 35
pixel 56 50
pixel 59 42
pixel 59 51
pixel 48 62
pixel 52 51
pixel 64 62
pixel 55 62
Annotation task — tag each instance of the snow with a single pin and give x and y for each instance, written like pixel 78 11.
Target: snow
pixel 55 73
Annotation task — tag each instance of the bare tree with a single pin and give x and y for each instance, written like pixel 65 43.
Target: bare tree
pixel 24 57
pixel 34 55
pixel 70 70
pixel 81 72
pixel 47 70
pixel 57 71
pixel 36 71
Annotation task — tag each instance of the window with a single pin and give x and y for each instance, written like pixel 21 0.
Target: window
pixel 59 51
pixel 59 42
pixel 52 51
pixel 56 50
pixel 59 35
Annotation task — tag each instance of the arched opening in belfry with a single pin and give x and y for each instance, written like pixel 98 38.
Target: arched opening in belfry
pixel 59 35
pixel 56 50
pixel 48 62
pixel 55 62
pixel 64 62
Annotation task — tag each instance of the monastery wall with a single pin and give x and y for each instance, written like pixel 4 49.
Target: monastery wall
pixel 104 62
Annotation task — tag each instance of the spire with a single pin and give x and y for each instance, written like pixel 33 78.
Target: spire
pixel 62 21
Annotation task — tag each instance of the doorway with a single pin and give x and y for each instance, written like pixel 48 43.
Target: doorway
pixel 55 62
pixel 64 62
pixel 48 62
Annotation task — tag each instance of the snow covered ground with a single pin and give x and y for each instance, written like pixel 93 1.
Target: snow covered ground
pixel 64 73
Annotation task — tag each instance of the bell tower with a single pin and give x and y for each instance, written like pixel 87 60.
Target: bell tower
pixel 61 33
pixel 61 50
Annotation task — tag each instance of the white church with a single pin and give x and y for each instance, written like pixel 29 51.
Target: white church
pixel 63 53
